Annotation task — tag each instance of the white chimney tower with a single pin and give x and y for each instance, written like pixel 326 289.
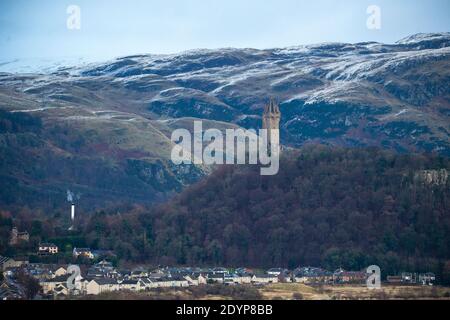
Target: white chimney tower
pixel 72 214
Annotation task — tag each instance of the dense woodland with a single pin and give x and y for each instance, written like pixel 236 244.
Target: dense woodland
pixel 327 207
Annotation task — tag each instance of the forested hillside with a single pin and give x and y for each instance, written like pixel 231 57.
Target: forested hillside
pixel 328 207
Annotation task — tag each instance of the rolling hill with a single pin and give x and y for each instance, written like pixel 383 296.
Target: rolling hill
pixel 103 129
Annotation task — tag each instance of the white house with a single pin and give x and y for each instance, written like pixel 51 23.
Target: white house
pixel 61 271
pixel 243 279
pixel 172 282
pixel 61 290
pixel 97 286
pixel 47 248
pixel 196 280
pixel 264 278
pixel 49 285
pixel 131 284
pixel 219 278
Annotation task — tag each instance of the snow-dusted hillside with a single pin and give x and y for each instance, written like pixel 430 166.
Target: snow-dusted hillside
pixel 390 95
pixel 363 93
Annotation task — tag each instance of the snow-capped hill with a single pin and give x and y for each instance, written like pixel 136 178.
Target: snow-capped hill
pixel 67 122
pixel 427 40
pixel 394 95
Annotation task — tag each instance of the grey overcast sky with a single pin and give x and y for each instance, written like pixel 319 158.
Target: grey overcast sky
pixel 111 28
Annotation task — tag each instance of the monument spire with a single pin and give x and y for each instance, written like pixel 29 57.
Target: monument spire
pixel 271 121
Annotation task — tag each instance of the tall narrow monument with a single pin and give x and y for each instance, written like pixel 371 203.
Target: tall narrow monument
pixel 271 122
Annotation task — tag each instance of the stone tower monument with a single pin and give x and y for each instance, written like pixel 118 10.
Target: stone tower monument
pixel 271 121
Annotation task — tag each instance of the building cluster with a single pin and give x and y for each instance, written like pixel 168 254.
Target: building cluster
pixel 104 277
pixel 413 278
pixel 11 290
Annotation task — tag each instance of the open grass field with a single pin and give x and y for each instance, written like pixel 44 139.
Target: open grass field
pixel 352 292
pixel 285 291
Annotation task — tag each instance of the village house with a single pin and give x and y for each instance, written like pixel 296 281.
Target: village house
pixel 102 254
pixel 97 286
pixel 49 285
pixel 172 282
pixel 163 282
pixel 427 278
pixel 58 271
pixel 284 277
pixel 10 263
pixel 146 284
pixel 93 272
pixel 44 271
pixel 220 270
pixel 277 271
pixel 156 274
pixel 196 279
pixel 61 290
pixel 130 284
pixel 179 282
pixel 264 279
pixel 230 279
pixel 244 278
pixel 125 274
pixel 409 277
pixel 10 291
pixel 17 237
pixel 342 276
pixel 103 269
pixel 312 275
pixel 237 279
pixel 105 265
pixel 82 252
pixel 138 273
pixel 47 248
pixel 39 272
pixel 216 278
pixel 244 275
pixel 243 270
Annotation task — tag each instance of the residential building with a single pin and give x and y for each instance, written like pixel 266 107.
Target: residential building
pixel 131 284
pixel 218 278
pixel 342 276
pixel 10 291
pixel 264 279
pixel 97 286
pixel 312 275
pixel 83 252
pixel 172 282
pixel 277 271
pixel 47 248
pixel 17 237
pixel 409 277
pixel 10 263
pixel 61 290
pixel 220 270
pixel 49 285
pixel 59 271
pixel 427 278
